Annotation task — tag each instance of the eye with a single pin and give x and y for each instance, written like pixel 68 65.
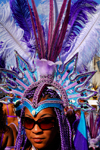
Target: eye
pixel 46 120
pixel 28 123
pixel 29 120
pixel 46 123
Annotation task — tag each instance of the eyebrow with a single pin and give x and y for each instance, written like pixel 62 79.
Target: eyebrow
pixel 41 115
pixel 47 115
pixel 28 115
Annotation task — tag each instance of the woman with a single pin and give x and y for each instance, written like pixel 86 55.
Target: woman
pixel 45 130
pixel 45 92
pixel 6 134
pixel 15 124
pixel 9 111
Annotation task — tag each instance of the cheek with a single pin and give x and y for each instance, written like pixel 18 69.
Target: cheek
pixel 28 133
pixel 50 136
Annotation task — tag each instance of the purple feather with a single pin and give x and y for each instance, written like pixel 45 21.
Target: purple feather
pixel 77 19
pixel 2 62
pixel 2 58
pixel 21 15
pixel 98 120
pixel 94 125
pixel 91 123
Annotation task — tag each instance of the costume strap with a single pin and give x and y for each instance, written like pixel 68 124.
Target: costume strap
pixel 14 126
pixel 8 113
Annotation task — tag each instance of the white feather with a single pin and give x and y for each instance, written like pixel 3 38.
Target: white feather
pixel 88 42
pixel 11 34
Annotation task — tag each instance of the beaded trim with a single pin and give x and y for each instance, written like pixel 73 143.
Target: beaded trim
pixel 57 103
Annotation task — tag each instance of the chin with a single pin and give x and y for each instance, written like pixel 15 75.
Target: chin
pixel 39 146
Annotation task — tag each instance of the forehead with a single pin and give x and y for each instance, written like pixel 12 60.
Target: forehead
pixel 43 112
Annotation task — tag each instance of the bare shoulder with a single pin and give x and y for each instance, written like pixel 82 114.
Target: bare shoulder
pixel 4 107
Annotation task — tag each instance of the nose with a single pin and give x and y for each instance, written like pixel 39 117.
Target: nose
pixel 36 129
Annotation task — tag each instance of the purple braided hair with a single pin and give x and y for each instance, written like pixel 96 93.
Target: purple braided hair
pixel 24 142
pixel 19 139
pixel 51 93
pixel 65 130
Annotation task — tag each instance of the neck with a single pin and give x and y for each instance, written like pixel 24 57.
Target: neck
pixel 46 148
pixel 53 146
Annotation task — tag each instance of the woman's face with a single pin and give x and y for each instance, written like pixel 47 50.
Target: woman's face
pixel 40 138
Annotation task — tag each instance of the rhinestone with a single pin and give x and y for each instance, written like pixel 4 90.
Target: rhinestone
pixel 33 112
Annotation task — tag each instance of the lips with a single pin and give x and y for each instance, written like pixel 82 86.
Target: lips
pixel 37 140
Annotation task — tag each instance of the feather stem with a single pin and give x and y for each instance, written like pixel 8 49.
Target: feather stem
pixel 56 11
pixel 40 31
pixel 11 35
pixel 63 31
pixel 34 29
pixel 55 34
pixel 50 26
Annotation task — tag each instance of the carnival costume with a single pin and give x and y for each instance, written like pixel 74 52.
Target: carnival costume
pixel 45 47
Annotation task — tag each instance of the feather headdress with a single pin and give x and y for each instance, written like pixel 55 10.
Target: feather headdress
pixel 72 87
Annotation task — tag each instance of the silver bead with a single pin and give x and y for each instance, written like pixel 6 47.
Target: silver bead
pixel 33 112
